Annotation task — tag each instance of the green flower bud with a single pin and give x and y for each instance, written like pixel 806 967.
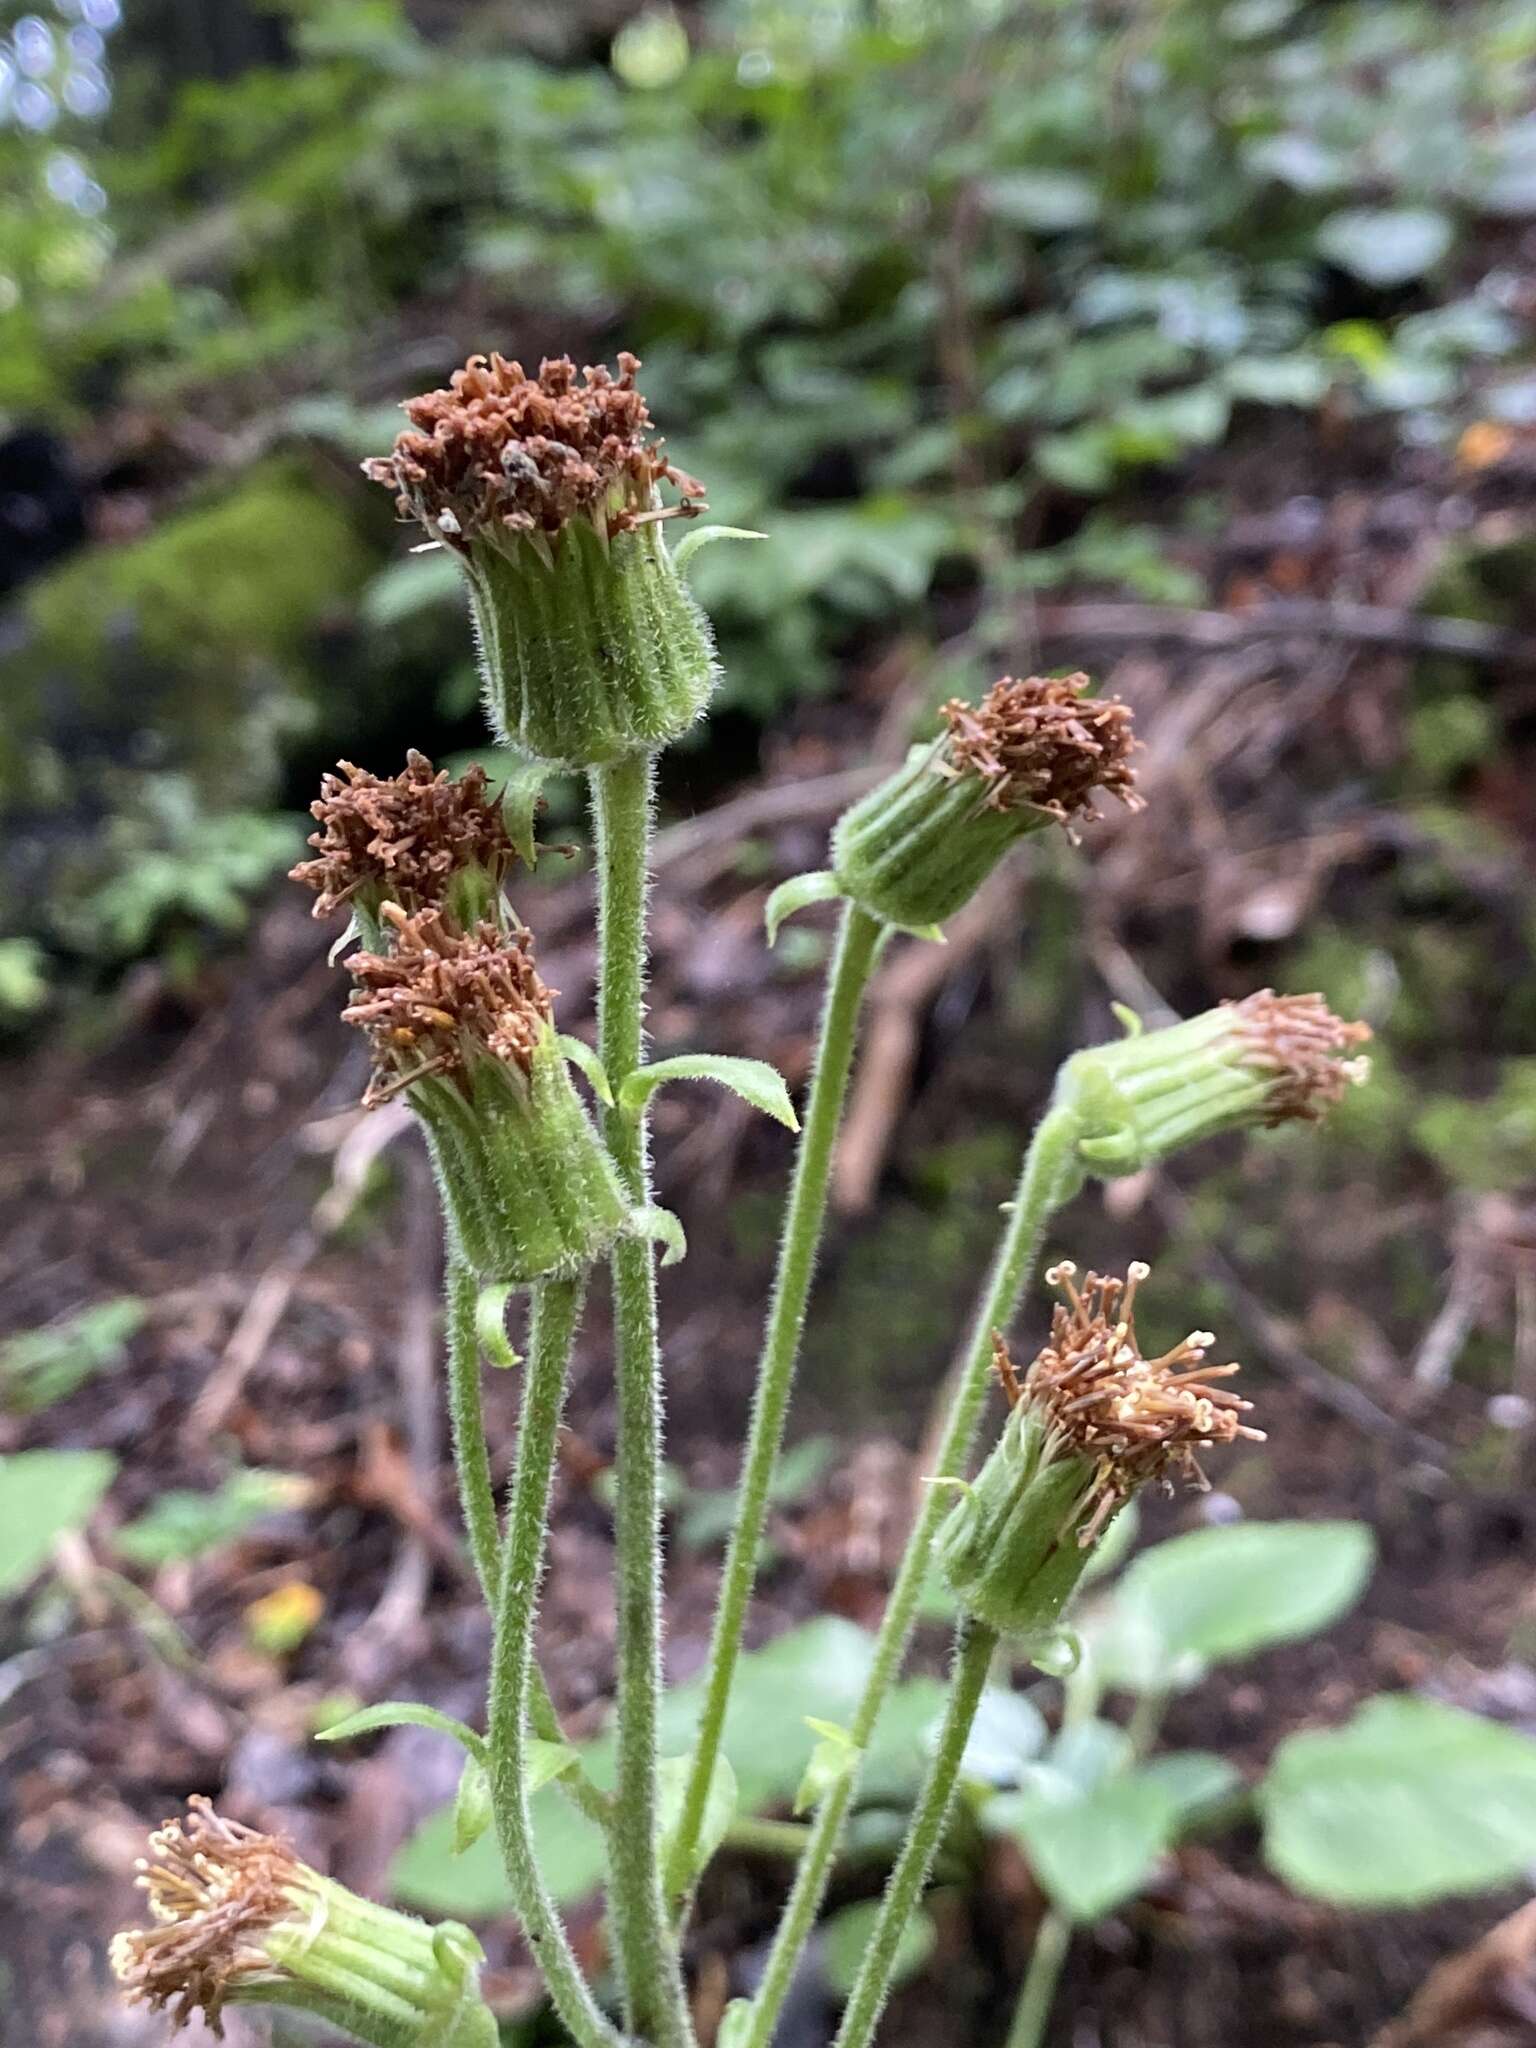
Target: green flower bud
pixel 1265 1060
pixel 241 1921
pixel 548 491
pixel 1029 755
pixel 420 839
pixel 1090 1423
pixel 462 1025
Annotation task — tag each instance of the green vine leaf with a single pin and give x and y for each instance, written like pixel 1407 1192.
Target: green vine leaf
pixel 405 1713
pixel 753 1080
pixel 491 1326
pixel 798 894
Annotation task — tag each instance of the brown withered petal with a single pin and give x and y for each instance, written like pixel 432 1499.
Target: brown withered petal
pixel 442 994
pixel 1300 1043
pixel 409 833
pixel 1041 741
pixel 497 448
pixel 215 1888
pixel 1137 1419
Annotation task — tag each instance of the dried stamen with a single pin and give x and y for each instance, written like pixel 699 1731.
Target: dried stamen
pixel 442 995
pixel 1042 743
pixel 498 451
pixel 1137 1419
pixel 1300 1042
pixel 408 834
pixel 215 1889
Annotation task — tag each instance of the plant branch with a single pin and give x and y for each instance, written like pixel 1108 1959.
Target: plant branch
pixel 1053 1937
pixel 975 1644
pixel 556 1310
pixel 858 943
pixel 1049 1175
pixel 656 2006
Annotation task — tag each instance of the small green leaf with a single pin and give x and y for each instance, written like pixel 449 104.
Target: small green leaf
pixel 753 1080
pixel 405 1713
pixel 1385 245
pixel 182 1524
pixel 472 1808
pixel 1195 1780
pixel 1007 1732
pixel 795 895
pixel 836 1754
pixel 719 1810
pixel 663 1228
pixel 45 1495
pixel 1408 1802
pixel 520 795
pixel 547 1761
pixel 1094 1850
pixel 39 1367
pixel 845 1937
pixel 491 1326
pixel 701 536
pixel 581 1055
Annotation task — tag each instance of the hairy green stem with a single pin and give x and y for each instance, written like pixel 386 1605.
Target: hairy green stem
pixel 847 978
pixel 974 1647
pixel 1053 1938
pixel 477 1500
pixel 1049 1175
pixel 655 2003
pixel 556 1311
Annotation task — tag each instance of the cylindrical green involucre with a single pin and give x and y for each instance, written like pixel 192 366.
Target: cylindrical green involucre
pixel 591 647
pixel 527 1186
pixel 1010 1550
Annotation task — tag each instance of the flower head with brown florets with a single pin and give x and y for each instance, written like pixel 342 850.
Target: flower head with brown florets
pixel 1133 1419
pixel 402 836
pixel 1041 742
pixel 1299 1046
pixel 216 1888
pixel 498 452
pixel 441 996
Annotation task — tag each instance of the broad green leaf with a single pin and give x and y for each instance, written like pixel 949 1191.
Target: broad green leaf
pixel 1408 1802
pixel 45 1495
pixel 719 1809
pixel 1093 1851
pixel 1045 201
pixel 472 1808
pixel 1385 245
pixel 753 1080
pixel 39 1367
pixel 1220 1593
pixel 473 1886
pixel 404 1713
pixel 845 1936
pixel 1007 1733
pixel 181 1524
pixel 1195 1780
pixel 1278 380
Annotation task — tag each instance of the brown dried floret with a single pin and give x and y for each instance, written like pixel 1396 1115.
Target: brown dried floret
pixel 442 995
pixel 215 1889
pixel 1041 742
pixel 407 833
pixel 497 451
pixel 1301 1043
pixel 1137 1419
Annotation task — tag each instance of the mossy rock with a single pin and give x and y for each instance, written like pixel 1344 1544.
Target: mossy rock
pixel 193 649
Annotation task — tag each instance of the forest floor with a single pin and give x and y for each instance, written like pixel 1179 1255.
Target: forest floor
pixel 208 1159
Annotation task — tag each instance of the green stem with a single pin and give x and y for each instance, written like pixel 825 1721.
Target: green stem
pixel 477 1500
pixel 1053 1937
pixel 858 943
pixel 1049 1175
pixel 974 1648
pixel 655 2002
pixel 556 1311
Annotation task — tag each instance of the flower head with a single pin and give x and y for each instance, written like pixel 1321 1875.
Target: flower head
pixel 1041 743
pixel 501 453
pixel 239 1918
pixel 1265 1060
pixel 402 836
pixel 216 1888
pixel 1134 1419
pixel 441 996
